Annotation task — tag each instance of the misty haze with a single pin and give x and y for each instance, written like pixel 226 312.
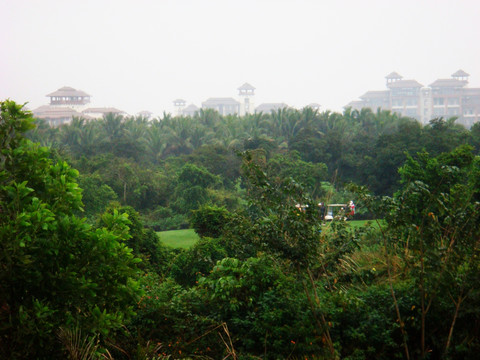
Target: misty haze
pixel 216 179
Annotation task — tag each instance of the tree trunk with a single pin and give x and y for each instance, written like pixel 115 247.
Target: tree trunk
pixel 455 316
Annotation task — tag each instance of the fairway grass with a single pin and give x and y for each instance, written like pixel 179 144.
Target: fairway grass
pixel 359 223
pixel 178 238
pixel 185 239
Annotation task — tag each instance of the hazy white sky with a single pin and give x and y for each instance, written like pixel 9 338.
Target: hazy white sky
pixel 142 54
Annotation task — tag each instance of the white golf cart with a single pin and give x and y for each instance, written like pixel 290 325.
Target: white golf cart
pixel 335 211
pixel 339 211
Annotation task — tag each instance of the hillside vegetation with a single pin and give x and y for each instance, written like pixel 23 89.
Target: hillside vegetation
pixel 84 274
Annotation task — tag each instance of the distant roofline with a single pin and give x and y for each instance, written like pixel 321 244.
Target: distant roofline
pixel 220 100
pixel 246 86
pixel 68 91
pixel 405 84
pixel 394 75
pixel 460 73
pixel 448 83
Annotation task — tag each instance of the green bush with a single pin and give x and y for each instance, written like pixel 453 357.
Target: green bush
pixel 56 270
pixel 197 261
pixel 209 221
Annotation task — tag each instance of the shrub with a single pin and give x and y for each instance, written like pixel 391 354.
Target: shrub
pixel 209 221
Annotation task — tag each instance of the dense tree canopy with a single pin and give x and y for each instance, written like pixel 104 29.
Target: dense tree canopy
pixel 56 270
pixel 83 271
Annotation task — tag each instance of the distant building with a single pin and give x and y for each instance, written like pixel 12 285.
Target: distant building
pixel 229 106
pixel 246 93
pixel 442 98
pixel 145 114
pixel 66 103
pixel 69 97
pixel 190 110
pixel 225 106
pixel 179 106
pixel 267 108
pixel 100 112
pixel 56 115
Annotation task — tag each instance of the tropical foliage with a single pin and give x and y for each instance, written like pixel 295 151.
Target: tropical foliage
pixel 84 275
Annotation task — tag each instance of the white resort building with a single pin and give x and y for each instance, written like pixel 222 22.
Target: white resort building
pixel 66 103
pixel 443 98
pixel 244 104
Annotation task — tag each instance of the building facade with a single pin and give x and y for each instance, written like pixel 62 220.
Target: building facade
pixel 66 103
pixel 443 98
pixel 224 106
pixel 246 94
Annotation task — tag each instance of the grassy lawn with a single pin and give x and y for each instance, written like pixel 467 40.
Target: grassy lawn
pixel 186 238
pixel 359 223
pixel 178 238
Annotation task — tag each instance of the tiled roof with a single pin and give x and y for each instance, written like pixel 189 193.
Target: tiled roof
pixel 246 86
pixel 448 83
pixel 375 94
pixel 145 113
pixel 220 101
pixel 394 75
pixel 103 110
pixel 460 73
pixel 405 84
pixel 55 112
pixel 68 91
pixel 191 107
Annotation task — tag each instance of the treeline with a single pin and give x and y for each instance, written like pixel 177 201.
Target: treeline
pixel 266 281
pixel 143 163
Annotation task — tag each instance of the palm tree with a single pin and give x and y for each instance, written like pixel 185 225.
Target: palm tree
pixel 112 126
pixel 230 132
pixel 255 125
pixel 155 141
pixel 208 117
pixel 70 134
pixel 88 139
pixel 178 135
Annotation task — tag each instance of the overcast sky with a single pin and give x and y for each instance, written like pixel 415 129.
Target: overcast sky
pixel 143 54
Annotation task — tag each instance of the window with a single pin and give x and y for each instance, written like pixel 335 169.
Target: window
pixel 412 102
pixel 453 101
pixel 438 101
pixel 397 102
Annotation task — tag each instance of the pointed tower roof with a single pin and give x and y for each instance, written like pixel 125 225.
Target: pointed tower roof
pixel 394 75
pixel 460 73
pixel 68 91
pixel 246 86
